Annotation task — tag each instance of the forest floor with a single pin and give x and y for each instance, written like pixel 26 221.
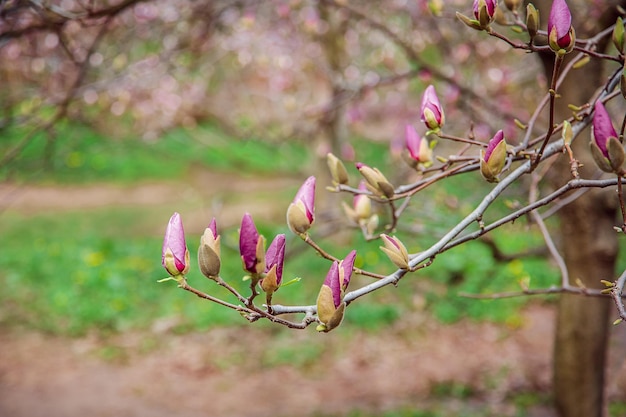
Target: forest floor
pixel 464 369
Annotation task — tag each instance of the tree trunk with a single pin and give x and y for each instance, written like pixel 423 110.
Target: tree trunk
pixel 589 246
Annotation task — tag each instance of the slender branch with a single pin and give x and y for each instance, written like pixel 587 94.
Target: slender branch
pixel 533 194
pixel 542 291
pixel 500 256
pixel 617 293
pixel 251 312
pixel 620 197
pixel 571 185
pixel 230 289
pixel 307 239
pixel 463 140
pixel 183 285
pixel 557 66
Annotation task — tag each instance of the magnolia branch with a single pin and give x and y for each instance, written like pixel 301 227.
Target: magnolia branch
pixel 617 293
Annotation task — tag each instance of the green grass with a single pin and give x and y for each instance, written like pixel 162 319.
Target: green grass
pixel 67 273
pixel 80 155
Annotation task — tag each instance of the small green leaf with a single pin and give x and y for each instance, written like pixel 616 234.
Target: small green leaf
pixel 293 281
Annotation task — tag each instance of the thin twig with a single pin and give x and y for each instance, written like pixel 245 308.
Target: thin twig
pixel 617 293
pixel 541 291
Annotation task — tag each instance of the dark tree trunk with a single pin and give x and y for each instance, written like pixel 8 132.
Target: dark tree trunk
pixel 589 246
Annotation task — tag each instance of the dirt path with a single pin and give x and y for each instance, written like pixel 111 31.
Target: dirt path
pixel 233 372
pixel 215 189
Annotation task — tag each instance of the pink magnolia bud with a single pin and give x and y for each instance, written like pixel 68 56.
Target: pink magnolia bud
pixel 209 252
pixel 337 169
pixel 492 159
pixel 561 34
pixel 330 297
pixel 361 209
pixel 274 261
pixel 431 112
pixel 301 212
pixel 251 246
pixel 418 147
pixel 484 11
pixel 376 182
pixel 532 20
pixel 175 255
pixel 345 269
pixel 330 305
pixel 396 251
pixel 606 149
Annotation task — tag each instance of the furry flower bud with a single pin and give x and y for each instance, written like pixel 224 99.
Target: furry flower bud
pixel 532 20
pixel 493 158
pixel 345 269
pixel 567 133
pixel 274 261
pixel 375 181
pixel 301 212
pixel 175 255
pixel 361 209
pixel 618 35
pixel 484 11
pixel 396 251
pixel 337 169
pixel 209 252
pixel 330 305
pixel 431 111
pixel 251 246
pixel 419 151
pixel 561 36
pixel 606 149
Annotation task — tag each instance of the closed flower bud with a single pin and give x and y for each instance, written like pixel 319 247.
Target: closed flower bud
pixel 330 305
pixel 337 169
pixel 274 260
pixel 361 209
pixel 345 269
pixel 532 20
pixel 472 23
pixel 606 149
pixel 419 150
pixel 431 111
pixel 175 255
pixel 251 246
pixel 396 251
pixel 492 159
pixel 567 134
pixel 484 11
pixel 561 36
pixel 371 225
pixel 618 35
pixel 209 252
pixel 375 181
pixel 301 212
